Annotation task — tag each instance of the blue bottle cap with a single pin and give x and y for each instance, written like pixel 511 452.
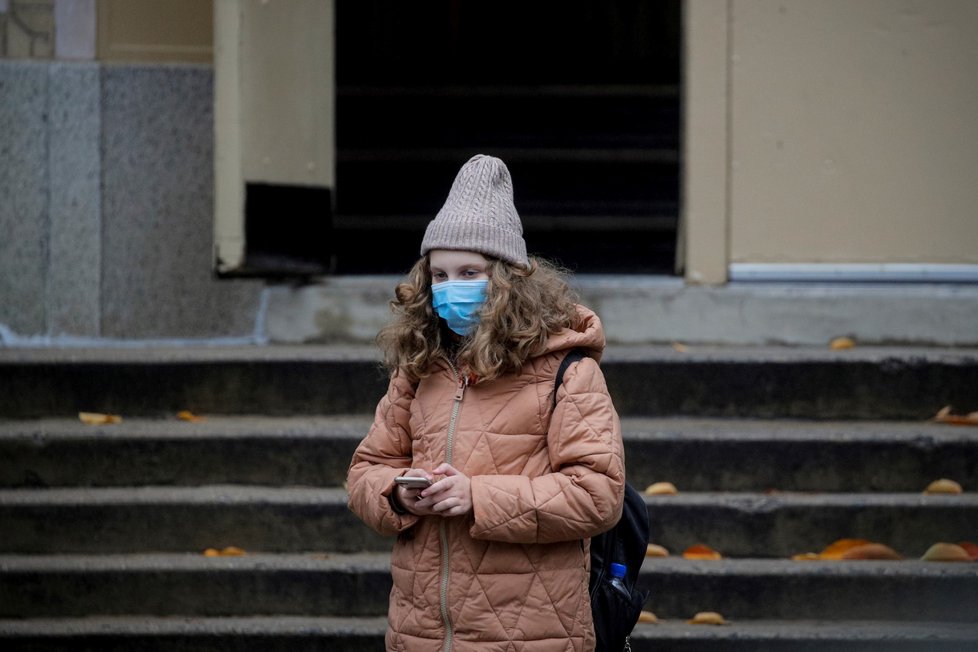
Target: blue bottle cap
pixel 618 570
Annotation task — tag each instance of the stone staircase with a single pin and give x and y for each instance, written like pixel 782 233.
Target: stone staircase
pixel 103 528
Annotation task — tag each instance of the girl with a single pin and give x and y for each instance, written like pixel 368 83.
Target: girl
pixel 493 553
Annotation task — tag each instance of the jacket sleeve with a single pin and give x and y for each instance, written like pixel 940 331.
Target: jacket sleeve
pixel 384 454
pixel 583 496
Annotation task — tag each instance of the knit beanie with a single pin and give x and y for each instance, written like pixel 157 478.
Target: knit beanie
pixel 479 214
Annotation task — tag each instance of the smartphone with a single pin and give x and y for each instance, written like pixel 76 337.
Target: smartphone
pixel 413 481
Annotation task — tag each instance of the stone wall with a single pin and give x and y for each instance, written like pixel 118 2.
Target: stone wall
pixel 106 205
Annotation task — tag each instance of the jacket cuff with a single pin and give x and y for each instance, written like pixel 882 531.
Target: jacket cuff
pixel 395 504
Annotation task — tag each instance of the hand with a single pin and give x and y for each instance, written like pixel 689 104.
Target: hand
pixel 450 496
pixel 409 496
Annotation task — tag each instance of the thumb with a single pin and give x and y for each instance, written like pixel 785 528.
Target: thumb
pixel 445 469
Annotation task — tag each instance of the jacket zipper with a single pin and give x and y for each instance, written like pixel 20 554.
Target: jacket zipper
pixel 442 526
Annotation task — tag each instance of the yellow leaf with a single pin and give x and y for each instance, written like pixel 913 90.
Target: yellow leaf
pixel 654 550
pixel 99 419
pixel 230 551
pixel 647 617
pixel 700 551
pixel 943 486
pixel 841 343
pixel 681 348
pixel 661 489
pixel 187 415
pixel 946 552
pixel 707 618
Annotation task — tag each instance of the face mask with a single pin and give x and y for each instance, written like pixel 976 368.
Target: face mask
pixel 459 302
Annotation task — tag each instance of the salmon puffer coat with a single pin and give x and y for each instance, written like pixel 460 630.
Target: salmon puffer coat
pixel 513 573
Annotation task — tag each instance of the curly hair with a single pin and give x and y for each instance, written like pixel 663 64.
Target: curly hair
pixel 523 307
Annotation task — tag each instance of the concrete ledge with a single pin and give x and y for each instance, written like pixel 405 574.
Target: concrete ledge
pixel 358 585
pixel 637 309
pixel 695 454
pixel 758 382
pixel 188 519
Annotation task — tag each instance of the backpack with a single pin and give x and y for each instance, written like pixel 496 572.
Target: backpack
pixel 626 543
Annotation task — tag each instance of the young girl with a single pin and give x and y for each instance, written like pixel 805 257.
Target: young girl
pixel 493 554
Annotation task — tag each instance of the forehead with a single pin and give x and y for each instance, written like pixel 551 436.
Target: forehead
pixel 449 259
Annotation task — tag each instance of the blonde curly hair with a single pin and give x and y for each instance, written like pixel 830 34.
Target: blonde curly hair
pixel 523 307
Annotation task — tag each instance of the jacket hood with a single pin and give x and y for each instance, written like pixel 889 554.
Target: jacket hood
pixel 587 333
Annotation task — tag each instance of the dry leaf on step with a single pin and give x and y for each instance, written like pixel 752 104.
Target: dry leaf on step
pixel 836 549
pixel 871 551
pixel 946 552
pixel 98 419
pixel 655 550
pixel 970 548
pixel 841 343
pixel 701 551
pixel 807 556
pixel 707 618
pixel 943 486
pixel 187 415
pixel 661 489
pixel 944 415
pixel 230 551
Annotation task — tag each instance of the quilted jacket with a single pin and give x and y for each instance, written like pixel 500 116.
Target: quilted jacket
pixel 513 573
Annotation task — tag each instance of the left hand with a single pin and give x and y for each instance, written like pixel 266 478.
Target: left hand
pixel 450 496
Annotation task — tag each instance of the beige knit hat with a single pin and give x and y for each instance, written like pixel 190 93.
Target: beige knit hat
pixel 479 214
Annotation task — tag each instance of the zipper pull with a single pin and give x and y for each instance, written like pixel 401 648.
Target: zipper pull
pixel 462 384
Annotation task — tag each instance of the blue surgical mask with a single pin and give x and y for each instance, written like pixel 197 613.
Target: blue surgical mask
pixel 459 303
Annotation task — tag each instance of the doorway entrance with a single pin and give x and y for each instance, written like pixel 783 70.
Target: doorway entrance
pixel 580 98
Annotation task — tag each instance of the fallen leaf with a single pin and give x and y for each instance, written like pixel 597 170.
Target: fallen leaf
pixel 681 348
pixel 943 486
pixel 661 489
pixel 655 550
pixel 187 415
pixel 707 618
pixel 230 551
pixel 946 552
pixel 99 419
pixel 944 415
pixel 871 551
pixel 806 556
pixel 841 343
pixel 647 617
pixel 970 548
pixel 701 551
pixel 836 549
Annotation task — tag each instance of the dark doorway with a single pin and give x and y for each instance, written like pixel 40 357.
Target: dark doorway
pixel 580 98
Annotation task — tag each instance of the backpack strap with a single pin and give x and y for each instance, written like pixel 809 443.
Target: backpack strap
pixel 574 355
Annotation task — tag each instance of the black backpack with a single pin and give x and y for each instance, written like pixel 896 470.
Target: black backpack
pixel 626 543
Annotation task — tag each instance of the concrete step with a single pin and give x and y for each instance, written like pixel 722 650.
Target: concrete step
pixel 181 519
pixel 312 634
pixel 298 519
pixel 53 586
pixel 285 451
pixel 862 383
pixel 302 634
pixel 694 454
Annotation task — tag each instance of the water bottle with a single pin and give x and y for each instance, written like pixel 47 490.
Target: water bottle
pixel 618 579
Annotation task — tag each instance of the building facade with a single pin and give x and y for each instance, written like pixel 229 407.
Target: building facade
pixel 714 171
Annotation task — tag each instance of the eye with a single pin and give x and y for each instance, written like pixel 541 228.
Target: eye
pixel 438 277
pixel 469 273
